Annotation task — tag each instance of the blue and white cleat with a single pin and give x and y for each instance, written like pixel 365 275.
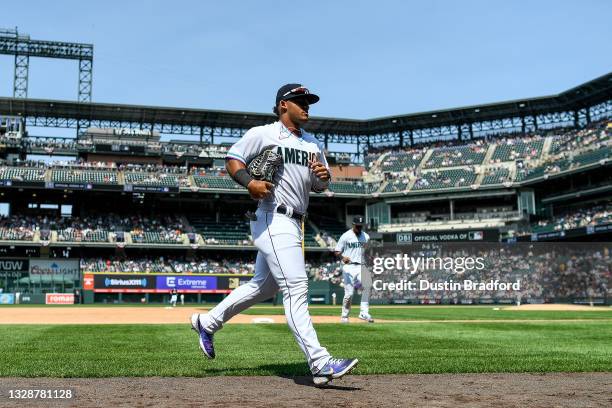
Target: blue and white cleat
pixel 335 368
pixel 366 317
pixel 206 339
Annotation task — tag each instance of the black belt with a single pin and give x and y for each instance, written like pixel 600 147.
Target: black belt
pixel 354 263
pixel 282 209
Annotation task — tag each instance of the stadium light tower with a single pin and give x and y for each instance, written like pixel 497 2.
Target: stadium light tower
pixel 23 47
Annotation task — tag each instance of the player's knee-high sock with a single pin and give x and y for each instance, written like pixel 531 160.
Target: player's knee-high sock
pixel 295 300
pixel 364 307
pixel 346 305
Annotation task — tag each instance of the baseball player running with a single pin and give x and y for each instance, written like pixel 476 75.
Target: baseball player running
pixel 350 248
pixel 277 229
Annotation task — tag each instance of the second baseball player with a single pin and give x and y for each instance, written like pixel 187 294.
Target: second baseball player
pixel 350 248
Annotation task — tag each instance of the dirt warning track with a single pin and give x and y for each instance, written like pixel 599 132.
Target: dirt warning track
pixel 430 390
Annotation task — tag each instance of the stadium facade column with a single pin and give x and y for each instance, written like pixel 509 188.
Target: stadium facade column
pixel 20 80
pixel 576 124
pixel 452 209
pixel 526 202
pixel 85 79
pixel 588 115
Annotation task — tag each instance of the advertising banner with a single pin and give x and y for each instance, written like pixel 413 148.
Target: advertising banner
pixel 88 282
pixel 135 283
pixel 59 298
pixel 31 298
pixel 185 283
pixel 14 268
pixel 68 268
pixel 409 238
pixel 132 188
pixel 7 298
pixel 161 283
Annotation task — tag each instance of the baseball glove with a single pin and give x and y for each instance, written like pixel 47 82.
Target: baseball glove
pixel 265 165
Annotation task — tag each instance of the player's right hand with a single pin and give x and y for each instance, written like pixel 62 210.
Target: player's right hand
pixel 259 189
pixel 346 260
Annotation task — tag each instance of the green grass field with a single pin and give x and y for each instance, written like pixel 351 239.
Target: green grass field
pixel 247 349
pixel 444 313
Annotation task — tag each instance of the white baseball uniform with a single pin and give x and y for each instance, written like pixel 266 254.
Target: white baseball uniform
pixel 278 237
pixel 352 246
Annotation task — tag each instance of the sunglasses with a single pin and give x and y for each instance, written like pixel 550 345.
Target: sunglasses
pixel 297 91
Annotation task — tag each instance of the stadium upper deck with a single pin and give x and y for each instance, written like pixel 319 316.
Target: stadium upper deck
pixel 484 163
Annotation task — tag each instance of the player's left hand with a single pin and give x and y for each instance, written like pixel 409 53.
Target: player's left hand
pixel 319 170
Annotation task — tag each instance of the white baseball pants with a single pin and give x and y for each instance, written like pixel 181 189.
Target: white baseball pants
pixel 352 279
pixel 279 265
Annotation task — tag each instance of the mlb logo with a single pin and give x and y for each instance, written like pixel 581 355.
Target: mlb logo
pixel 476 235
pixel 170 281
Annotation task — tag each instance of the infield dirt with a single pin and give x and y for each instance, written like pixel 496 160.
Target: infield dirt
pixel 166 315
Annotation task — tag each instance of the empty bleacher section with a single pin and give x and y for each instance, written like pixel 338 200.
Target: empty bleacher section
pixel 395 185
pixel 216 182
pixel 349 187
pixel 309 236
pixel 328 226
pixel 496 175
pixel 226 230
pixel 592 156
pixel 151 179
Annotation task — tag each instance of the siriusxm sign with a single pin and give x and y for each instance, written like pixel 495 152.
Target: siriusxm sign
pixel 110 282
pixel 187 282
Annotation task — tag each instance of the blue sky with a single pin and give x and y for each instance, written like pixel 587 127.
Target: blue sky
pixel 365 59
